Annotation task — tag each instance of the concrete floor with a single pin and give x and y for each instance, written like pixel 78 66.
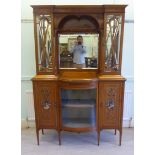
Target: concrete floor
pixel 77 144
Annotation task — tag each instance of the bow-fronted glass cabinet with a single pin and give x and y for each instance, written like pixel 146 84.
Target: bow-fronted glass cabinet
pixel 78 85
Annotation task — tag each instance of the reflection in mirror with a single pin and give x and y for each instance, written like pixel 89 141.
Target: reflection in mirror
pixel 44 42
pixel 78 51
pixel 113 30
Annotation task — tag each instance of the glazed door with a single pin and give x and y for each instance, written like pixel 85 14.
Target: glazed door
pixel 78 109
pixel 44 41
pixel 45 105
pixel 109 102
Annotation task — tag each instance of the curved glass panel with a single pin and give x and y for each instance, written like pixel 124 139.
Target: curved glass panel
pixel 78 108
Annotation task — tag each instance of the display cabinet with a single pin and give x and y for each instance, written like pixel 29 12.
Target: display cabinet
pixel 78 86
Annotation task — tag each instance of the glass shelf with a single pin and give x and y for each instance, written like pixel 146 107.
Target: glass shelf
pixel 79 103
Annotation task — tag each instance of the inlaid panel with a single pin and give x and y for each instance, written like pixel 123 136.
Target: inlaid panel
pixel 109 100
pixel 46 105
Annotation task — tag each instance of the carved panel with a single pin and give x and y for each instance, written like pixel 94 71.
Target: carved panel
pixel 109 99
pixel 78 22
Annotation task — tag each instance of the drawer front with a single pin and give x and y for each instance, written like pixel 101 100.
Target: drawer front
pixel 78 85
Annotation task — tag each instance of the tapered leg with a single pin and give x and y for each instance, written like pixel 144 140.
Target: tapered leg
pixel 59 135
pixel 98 134
pixel 37 133
pixel 120 137
pixel 42 131
pixel 115 131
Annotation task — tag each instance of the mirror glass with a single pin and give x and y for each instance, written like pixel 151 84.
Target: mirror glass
pixel 78 51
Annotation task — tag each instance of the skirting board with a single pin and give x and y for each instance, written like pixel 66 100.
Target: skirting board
pixel 27 123
pixel 31 123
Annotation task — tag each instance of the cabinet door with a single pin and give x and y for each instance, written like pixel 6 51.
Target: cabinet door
pixel 109 104
pixel 45 104
pixel 112 43
pixel 44 41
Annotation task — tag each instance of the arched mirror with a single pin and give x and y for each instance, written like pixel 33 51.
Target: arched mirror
pixel 78 40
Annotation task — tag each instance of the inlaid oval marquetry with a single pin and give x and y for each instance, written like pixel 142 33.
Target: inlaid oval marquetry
pixel 46 105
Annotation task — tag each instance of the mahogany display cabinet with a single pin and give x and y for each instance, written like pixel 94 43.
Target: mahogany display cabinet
pixel 74 97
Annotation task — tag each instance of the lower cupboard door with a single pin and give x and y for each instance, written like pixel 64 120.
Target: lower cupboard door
pixel 109 100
